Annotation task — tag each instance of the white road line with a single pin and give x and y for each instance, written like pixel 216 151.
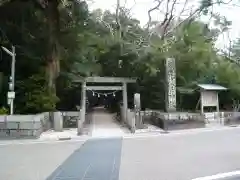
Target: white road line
pixel 42 142
pixel 113 168
pixel 175 133
pixel 86 171
pixel 219 176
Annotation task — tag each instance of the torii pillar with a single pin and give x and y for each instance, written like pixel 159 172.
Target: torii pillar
pixel 125 100
pixel 83 108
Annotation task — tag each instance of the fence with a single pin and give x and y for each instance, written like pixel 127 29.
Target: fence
pixel 70 119
pixel 230 118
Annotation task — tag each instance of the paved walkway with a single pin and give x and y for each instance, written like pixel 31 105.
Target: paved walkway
pixel 105 125
pixel 96 160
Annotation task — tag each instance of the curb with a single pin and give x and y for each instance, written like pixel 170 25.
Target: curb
pixel 64 138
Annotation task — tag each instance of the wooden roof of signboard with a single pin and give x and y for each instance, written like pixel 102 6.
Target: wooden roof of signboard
pixel 211 87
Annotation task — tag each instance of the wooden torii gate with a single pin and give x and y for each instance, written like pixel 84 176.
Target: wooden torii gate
pixel 98 79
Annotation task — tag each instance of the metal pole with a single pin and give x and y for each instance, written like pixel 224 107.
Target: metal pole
pixel 13 78
pixel 13 67
pixel 11 88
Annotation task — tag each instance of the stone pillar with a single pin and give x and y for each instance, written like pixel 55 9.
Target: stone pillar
pixel 137 109
pixel 170 93
pixel 58 121
pixel 80 124
pixel 125 101
pixel 83 108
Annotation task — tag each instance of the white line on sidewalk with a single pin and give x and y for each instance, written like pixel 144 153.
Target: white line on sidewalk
pixel 219 176
pixel 42 142
pixel 177 132
pixel 124 136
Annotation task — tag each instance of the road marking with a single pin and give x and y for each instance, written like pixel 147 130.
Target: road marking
pixel 219 176
pixel 113 168
pixel 177 133
pixel 86 171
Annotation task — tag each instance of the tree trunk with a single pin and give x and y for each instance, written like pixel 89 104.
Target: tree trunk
pixel 53 59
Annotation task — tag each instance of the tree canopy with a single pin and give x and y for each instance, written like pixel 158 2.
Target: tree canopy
pixel 59 41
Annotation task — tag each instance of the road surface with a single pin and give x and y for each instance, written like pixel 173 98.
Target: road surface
pixel 164 157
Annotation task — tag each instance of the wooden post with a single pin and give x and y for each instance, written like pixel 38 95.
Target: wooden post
pixel 125 101
pixel 202 106
pixel 83 108
pixel 217 103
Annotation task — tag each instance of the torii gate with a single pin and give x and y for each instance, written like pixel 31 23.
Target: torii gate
pixel 98 79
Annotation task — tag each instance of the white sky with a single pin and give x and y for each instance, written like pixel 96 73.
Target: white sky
pixel 139 10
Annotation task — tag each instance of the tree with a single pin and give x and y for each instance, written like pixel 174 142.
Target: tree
pixel 53 34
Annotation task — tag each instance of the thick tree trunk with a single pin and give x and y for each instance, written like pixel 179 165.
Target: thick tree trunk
pixel 53 59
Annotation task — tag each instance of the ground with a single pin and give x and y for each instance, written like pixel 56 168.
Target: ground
pixel 176 156
pixel 111 152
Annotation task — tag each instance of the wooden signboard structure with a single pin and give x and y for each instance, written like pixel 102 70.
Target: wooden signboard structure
pixel 209 95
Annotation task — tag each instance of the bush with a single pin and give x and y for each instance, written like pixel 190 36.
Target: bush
pixel 3 110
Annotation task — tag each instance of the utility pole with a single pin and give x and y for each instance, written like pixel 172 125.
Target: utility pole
pixel 11 93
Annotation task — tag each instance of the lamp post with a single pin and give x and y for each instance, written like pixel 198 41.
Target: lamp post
pixel 11 93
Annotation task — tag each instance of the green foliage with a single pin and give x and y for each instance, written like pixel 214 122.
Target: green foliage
pixel 3 111
pixel 37 97
pixel 92 44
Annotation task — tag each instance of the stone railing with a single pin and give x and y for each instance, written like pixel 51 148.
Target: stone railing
pixel 24 126
pixel 223 118
pixel 70 117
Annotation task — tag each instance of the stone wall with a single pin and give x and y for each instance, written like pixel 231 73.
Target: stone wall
pixel 166 120
pixel 163 119
pixel 24 126
pixel 172 116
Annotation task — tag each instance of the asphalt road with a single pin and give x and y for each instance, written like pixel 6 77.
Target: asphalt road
pixel 181 157
pixel 166 157
pixel 33 161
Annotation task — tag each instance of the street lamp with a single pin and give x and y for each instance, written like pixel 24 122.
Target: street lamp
pixel 11 93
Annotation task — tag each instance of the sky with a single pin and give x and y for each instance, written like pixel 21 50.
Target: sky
pixel 139 9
